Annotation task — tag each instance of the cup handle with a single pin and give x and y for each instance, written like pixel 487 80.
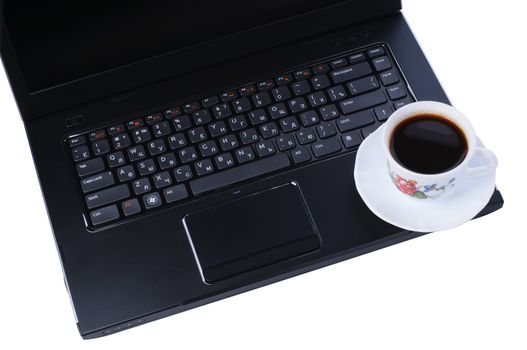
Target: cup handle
pixel 492 163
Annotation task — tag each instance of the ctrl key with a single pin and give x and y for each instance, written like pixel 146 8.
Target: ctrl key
pixel 103 215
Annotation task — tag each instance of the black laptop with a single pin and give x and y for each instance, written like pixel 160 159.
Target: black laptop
pixel 189 151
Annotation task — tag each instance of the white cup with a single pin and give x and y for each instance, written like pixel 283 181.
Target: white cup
pixel 433 186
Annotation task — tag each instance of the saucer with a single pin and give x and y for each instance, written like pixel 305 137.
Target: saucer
pixel 384 199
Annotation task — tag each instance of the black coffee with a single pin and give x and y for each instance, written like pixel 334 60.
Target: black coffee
pixel 428 144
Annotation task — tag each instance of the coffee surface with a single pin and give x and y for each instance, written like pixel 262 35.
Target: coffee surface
pixel 428 144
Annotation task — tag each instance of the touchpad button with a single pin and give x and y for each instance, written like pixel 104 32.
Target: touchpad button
pixel 251 232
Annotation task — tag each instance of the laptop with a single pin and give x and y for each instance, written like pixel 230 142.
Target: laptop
pixel 191 151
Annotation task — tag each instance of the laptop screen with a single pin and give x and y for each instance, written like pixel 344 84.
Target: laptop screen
pixel 60 41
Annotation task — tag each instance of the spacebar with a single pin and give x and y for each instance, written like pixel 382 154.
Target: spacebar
pixel 240 173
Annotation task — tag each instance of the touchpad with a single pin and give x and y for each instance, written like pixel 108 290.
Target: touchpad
pixel 251 232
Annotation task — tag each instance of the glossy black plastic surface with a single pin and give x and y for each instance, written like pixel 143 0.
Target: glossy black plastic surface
pixel 143 270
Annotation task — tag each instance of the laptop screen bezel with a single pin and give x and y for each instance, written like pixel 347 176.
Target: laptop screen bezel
pixel 158 68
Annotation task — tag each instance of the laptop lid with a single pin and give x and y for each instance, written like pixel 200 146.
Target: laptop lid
pixel 60 54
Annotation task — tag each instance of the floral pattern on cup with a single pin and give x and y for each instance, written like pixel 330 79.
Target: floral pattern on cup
pixel 413 189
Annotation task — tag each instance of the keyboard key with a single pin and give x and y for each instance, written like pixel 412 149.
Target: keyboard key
pixel 126 173
pixel 182 123
pixel 228 96
pixel 306 136
pixel 141 186
pixel 367 131
pixel 117 129
pixel 269 130
pixel 325 147
pixel 141 135
pixel 289 124
pixel 167 161
pixel 207 149
pixel 248 136
pixel 132 124
pixel 285 142
pixel 120 141
pixel 320 82
pixel 321 68
pixel 228 142
pixel 355 121
pixel 162 179
pixel 210 101
pixel 152 200
pixel 100 147
pixel 90 167
pixel 402 103
pixel 115 159
pixel 281 93
pixel 224 161
pixel 97 135
pixel 338 63
pixel 361 102
pixel 389 77
pixel 136 153
pixel 222 111
pixel 188 154
pixel 244 155
pixel 383 112
pixel 261 99
pixel 358 57
pixel 300 155
pixel 329 112
pixel 240 173
pixel 351 139
pixel 191 107
pixel 317 99
pixel 378 51
pixel 157 147
pixel 309 118
pixel 301 88
pixel 161 129
pixel 146 167
pixel 257 117
pixel 241 105
pixel 96 182
pixel 278 111
pixel 396 92
pixel 303 74
pixel 77 141
pixel 337 93
pixel 112 194
pixel 382 63
pixel 131 207
pixel 248 90
pixel 203 167
pixel 363 85
pixel 326 130
pixel 352 72
pixel 173 112
pixel 104 215
pixel 153 118
pixel 175 193
pixel 238 123
pixel 265 148
pixel 266 85
pixel 218 128
pixel 183 173
pixel 177 141
pixel 197 134
pixel 284 79
pixel 297 105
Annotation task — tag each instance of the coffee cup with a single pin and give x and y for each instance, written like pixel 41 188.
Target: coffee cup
pixel 432 149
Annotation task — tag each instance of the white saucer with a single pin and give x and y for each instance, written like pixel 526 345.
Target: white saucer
pixel 384 199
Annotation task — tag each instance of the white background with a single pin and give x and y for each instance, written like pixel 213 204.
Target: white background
pixel 460 289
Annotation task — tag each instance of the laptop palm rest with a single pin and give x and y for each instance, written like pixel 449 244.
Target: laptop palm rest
pixel 251 232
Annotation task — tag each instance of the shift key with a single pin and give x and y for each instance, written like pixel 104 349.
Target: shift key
pixel 107 196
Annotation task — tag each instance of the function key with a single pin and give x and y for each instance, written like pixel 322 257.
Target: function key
pixel 247 90
pixel 266 85
pixel 210 101
pixel 173 112
pixel 303 74
pixel 229 96
pixel 153 118
pixel 284 79
pixel 191 107
pixel 341 62
pixel 375 52
pixel 357 57
pixel 132 124
pixel 321 68
pixel 97 135
pixel 77 140
pixel 117 129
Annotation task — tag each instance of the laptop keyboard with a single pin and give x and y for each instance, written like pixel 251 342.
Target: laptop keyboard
pixel 290 120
